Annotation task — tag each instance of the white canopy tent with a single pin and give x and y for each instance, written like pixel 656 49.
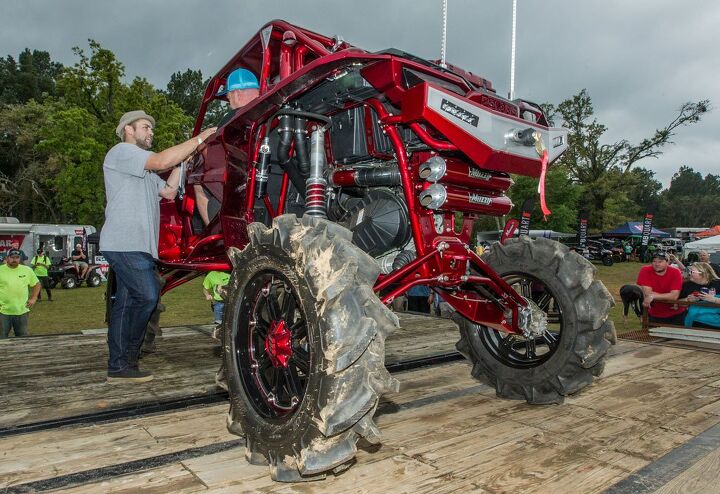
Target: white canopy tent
pixel 710 244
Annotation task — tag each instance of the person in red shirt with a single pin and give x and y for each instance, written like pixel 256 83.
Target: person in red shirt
pixel 661 283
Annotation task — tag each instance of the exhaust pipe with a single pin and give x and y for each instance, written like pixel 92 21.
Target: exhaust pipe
pixel 448 198
pixel 437 169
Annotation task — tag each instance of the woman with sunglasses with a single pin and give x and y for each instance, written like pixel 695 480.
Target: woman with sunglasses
pixel 702 286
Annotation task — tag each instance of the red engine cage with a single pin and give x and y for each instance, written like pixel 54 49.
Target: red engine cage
pixel 444 260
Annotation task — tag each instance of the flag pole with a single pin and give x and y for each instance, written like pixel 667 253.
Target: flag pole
pixel 512 50
pixel 444 35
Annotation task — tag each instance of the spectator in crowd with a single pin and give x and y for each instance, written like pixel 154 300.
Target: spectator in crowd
pixel 15 280
pixel 442 308
pixel 40 264
pixel 674 261
pixel 702 279
pixel 420 299
pixel 214 290
pixel 703 256
pixel 14 245
pixel 631 296
pixel 399 303
pixel 79 259
pixel 703 286
pixel 626 250
pixel 661 285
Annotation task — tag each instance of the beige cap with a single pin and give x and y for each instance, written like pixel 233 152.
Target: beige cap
pixel 129 118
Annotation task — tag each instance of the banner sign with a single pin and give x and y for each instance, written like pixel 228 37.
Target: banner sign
pixel 509 230
pixel 104 265
pixel 647 229
pixel 582 229
pixel 525 215
pixel 6 241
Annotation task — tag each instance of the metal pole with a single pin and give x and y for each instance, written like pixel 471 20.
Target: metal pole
pixel 512 50
pixel 444 35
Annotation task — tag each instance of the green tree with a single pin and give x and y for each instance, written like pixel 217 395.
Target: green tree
pixel 94 82
pixel 33 76
pixel 70 137
pixel 690 201
pixel 562 198
pixel 642 189
pixel 25 174
pixel 601 168
pixel 186 89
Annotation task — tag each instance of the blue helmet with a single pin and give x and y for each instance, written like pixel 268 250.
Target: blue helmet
pixel 240 79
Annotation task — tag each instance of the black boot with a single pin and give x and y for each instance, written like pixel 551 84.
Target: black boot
pixel 133 359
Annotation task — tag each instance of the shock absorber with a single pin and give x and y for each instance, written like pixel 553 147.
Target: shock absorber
pixel 316 184
pixel 263 169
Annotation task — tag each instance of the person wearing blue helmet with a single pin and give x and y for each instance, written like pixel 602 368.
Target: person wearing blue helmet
pixel 240 89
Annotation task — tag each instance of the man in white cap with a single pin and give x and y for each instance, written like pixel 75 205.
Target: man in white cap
pixel 129 237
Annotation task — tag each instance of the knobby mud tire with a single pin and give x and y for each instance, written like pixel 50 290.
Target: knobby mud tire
pixel 346 326
pixel 585 335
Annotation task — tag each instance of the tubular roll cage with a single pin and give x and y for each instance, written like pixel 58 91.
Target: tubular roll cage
pixel 491 301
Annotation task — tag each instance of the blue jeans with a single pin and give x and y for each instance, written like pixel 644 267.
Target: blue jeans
pixel 218 310
pixel 135 300
pixel 17 323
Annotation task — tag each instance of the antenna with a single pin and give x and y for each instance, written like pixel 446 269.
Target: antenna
pixel 512 51
pixel 444 35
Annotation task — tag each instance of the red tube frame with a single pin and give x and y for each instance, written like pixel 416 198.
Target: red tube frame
pixel 420 267
pixel 403 166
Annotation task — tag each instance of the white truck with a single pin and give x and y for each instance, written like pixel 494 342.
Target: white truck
pixel 57 240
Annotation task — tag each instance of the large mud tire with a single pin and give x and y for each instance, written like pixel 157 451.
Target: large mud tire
pixel 304 418
pixel 571 352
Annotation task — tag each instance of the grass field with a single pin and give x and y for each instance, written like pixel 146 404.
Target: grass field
pixel 84 308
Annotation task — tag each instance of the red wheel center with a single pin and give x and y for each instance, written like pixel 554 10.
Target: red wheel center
pixel 279 344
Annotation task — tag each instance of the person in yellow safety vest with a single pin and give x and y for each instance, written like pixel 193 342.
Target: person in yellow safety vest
pixel 40 264
pixel 15 279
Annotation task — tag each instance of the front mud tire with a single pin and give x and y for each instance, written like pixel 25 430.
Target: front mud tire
pixel 580 331
pixel 303 401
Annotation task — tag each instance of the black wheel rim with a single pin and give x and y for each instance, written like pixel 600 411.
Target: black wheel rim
pixel 272 346
pixel 516 350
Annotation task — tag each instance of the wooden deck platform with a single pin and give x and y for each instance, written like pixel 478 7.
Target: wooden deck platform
pixel 650 424
pixel 52 377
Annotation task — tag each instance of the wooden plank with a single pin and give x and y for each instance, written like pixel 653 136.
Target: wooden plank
pixel 702 477
pixel 173 478
pixel 51 377
pixel 52 453
pixel 710 337
pixel 68 450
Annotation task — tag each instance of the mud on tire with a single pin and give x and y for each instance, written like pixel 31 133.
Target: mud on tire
pixel 304 345
pixel 571 352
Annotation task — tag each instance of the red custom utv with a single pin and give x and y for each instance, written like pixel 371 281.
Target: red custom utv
pixel 353 177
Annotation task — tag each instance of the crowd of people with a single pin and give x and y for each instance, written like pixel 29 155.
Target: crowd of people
pixel 667 281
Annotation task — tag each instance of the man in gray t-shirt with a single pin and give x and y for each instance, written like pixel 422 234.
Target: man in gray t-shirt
pixel 129 237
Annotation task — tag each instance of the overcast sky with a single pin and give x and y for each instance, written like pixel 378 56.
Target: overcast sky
pixel 639 59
